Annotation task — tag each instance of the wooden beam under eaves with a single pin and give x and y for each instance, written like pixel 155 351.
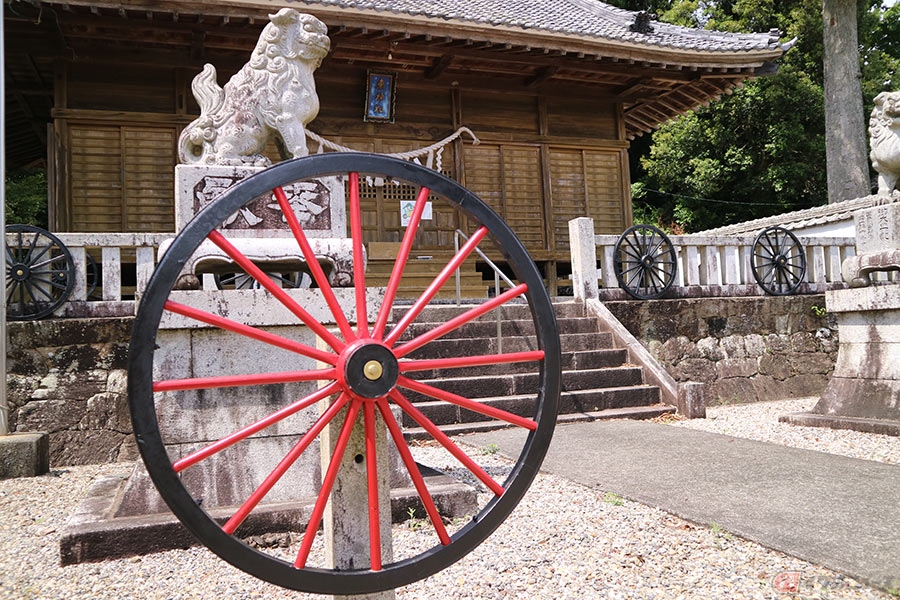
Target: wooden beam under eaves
pixel 439 66
pixel 541 76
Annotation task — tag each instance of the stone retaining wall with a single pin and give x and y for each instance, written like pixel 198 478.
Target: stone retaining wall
pixel 68 377
pixel 745 349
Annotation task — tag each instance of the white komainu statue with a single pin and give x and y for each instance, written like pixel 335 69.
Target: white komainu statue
pixel 884 132
pixel 273 94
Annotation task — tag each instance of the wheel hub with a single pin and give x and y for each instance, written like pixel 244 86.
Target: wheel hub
pixel 647 261
pixel 20 272
pixel 370 370
pixel 781 260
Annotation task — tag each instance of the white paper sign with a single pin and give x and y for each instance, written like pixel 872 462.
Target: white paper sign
pixel 406 211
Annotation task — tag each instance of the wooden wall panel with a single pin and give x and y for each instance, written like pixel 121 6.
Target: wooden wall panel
pixel 586 183
pixel 506 114
pixel 96 179
pixel 134 90
pixel 567 187
pixel 522 185
pixel 580 118
pixel 122 178
pixel 149 179
pixel 508 178
pixel 607 191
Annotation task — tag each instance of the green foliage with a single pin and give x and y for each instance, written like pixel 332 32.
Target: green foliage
pixel 26 197
pixel 761 150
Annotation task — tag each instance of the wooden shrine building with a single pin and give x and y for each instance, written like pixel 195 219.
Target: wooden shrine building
pixel 554 90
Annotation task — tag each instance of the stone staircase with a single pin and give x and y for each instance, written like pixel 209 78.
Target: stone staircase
pixel 420 271
pixel 597 381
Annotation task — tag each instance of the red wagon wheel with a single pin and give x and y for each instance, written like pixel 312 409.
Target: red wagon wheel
pixel 368 367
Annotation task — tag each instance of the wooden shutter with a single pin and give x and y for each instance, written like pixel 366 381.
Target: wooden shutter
pixel 149 179
pixel 95 179
pixel 122 178
pixel 586 183
pixel 508 178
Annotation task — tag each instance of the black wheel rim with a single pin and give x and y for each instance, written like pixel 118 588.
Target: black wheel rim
pixel 491 515
pixel 778 261
pixel 644 262
pixel 40 273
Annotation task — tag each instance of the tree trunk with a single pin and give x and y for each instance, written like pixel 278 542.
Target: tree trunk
pixel 845 133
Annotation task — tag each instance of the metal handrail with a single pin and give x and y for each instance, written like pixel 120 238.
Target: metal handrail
pixel 498 275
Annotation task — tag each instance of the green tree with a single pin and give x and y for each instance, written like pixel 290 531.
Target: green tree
pixel 26 197
pixel 761 150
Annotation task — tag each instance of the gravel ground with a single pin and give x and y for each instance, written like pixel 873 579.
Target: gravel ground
pixel 563 541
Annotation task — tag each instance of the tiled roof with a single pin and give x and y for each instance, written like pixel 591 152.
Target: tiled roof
pixel 581 18
pixel 810 217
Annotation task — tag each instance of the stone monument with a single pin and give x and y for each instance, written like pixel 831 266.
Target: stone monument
pixel 864 390
pixel 272 97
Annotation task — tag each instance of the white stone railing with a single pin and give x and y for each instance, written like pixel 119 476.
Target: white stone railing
pixel 706 266
pixel 110 297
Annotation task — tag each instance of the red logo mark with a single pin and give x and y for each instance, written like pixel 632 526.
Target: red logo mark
pixel 787 582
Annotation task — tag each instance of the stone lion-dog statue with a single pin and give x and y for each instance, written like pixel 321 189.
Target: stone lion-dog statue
pixel 884 133
pixel 274 94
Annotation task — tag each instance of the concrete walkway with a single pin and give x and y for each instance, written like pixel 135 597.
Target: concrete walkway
pixel 837 512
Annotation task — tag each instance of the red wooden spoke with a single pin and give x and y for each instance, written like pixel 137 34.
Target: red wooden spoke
pixel 460 320
pixel 359 263
pixel 254 271
pixel 313 263
pixel 256 497
pixel 199 383
pixel 445 441
pixel 472 405
pixel 225 442
pixel 400 264
pixel 330 476
pixel 409 366
pixel 250 332
pixel 372 480
pixel 435 286
pixel 413 469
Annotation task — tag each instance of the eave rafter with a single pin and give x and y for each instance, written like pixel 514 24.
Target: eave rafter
pixel 654 83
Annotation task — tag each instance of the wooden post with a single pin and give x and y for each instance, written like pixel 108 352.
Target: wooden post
pixel 346 521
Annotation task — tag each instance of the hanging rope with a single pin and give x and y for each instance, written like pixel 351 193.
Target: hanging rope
pixel 430 152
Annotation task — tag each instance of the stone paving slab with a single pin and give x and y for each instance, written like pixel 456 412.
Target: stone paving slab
pixel 837 512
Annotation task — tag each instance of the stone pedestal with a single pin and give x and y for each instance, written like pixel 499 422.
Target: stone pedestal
pixel 864 390
pixel 24 454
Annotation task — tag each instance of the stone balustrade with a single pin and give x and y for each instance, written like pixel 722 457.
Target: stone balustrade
pixel 707 266
pixel 113 294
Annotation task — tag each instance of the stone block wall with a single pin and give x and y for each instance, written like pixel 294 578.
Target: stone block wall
pixel 746 349
pixel 68 377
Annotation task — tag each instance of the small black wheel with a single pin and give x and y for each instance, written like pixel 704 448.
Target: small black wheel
pixel 369 368
pixel 242 281
pixel 93 277
pixel 40 273
pixel 778 261
pixel 644 262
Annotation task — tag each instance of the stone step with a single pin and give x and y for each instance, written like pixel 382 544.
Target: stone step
pixel 633 412
pixel 600 358
pixel 441 348
pixel 512 384
pixel 579 401
pixel 515 310
pixel 488 328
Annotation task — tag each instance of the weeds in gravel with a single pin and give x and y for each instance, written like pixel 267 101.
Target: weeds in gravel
pixel 490 449
pixel 414 523
pixel 614 499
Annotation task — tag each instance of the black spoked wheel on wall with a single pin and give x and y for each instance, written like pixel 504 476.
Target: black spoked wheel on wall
pixel 644 262
pixel 40 273
pixel 778 261
pixel 243 281
pixel 366 367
